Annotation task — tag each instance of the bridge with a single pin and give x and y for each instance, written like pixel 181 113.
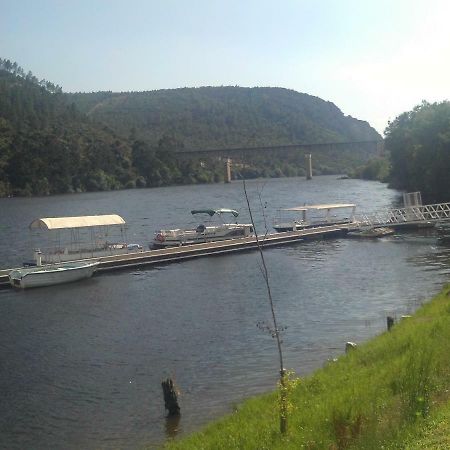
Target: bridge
pixel 360 151
pixel 375 147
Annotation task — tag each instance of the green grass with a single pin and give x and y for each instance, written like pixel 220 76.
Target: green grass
pixel 434 433
pixel 392 392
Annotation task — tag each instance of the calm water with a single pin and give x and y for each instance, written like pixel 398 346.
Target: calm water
pixel 81 364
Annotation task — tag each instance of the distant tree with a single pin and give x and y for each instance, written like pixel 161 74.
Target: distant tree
pixel 377 169
pixel 418 142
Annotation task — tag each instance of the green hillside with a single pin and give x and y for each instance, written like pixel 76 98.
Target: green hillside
pixel 52 142
pixel 218 117
pixel 48 147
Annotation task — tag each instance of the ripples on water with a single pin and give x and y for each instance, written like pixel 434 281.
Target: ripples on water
pixel 81 364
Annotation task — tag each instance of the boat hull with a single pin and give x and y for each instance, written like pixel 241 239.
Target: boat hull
pixel 298 226
pixel 178 243
pixel 111 250
pixel 371 233
pixel 49 276
pixel 410 225
pixel 178 238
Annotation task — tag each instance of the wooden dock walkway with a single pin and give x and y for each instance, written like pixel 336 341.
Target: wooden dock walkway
pixel 177 254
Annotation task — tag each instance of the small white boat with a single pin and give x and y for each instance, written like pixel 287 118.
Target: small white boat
pixel 370 232
pixel 311 216
pixel 205 232
pixel 49 275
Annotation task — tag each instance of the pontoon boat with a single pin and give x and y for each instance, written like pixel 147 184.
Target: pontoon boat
pixel 205 232
pixel 310 216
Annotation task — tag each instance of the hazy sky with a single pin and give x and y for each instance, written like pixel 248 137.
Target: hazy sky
pixel 373 59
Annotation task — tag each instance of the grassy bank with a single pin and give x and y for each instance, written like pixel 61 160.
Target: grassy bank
pixel 392 392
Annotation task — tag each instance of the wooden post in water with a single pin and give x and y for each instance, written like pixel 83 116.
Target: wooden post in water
pixel 308 166
pixel 170 397
pixel 390 322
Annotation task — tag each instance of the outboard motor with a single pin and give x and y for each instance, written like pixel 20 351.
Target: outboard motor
pixel 201 229
pixel 38 257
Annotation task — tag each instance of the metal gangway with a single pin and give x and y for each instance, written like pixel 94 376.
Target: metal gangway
pixel 408 215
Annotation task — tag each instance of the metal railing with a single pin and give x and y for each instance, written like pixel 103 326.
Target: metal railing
pixel 439 212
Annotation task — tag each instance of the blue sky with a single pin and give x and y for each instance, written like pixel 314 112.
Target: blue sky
pixel 373 59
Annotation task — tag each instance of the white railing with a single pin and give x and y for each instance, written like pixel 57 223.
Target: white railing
pixel 439 212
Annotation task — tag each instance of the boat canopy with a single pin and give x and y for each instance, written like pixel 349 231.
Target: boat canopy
pixel 321 207
pixel 211 212
pixel 56 223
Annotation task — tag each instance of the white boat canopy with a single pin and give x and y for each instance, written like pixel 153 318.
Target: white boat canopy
pixel 320 207
pixel 57 223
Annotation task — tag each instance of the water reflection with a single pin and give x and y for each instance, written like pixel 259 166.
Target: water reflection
pixel 172 426
pixel 68 353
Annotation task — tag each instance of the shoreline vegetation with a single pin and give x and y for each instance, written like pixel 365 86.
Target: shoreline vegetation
pixel 52 142
pixel 391 392
pixel 417 153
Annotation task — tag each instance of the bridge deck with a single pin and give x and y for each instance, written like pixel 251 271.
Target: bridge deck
pixel 375 146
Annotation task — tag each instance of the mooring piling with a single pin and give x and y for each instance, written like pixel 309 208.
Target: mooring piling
pixel 390 322
pixel 170 397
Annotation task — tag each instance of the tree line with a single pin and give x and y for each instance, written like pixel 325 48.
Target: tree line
pixel 49 144
pixel 417 156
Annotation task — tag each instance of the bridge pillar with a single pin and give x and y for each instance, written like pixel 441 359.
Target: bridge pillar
pixel 228 171
pixel 308 166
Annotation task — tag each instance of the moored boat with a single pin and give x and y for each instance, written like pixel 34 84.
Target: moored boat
pixel 205 232
pixel 443 224
pixel 311 216
pixel 49 275
pixel 62 239
pixel 371 232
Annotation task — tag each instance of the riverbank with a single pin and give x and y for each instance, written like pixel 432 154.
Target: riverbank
pixel 130 329
pixel 391 392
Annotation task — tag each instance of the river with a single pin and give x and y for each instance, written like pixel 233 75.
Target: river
pixel 81 364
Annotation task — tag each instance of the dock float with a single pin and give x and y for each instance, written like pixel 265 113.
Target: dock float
pixel 182 253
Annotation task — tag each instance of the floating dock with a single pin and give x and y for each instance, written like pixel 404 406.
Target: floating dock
pixel 411 216
pixel 177 254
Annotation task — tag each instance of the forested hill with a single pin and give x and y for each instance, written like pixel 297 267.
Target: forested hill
pixel 218 117
pixel 48 147
pixel 52 142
